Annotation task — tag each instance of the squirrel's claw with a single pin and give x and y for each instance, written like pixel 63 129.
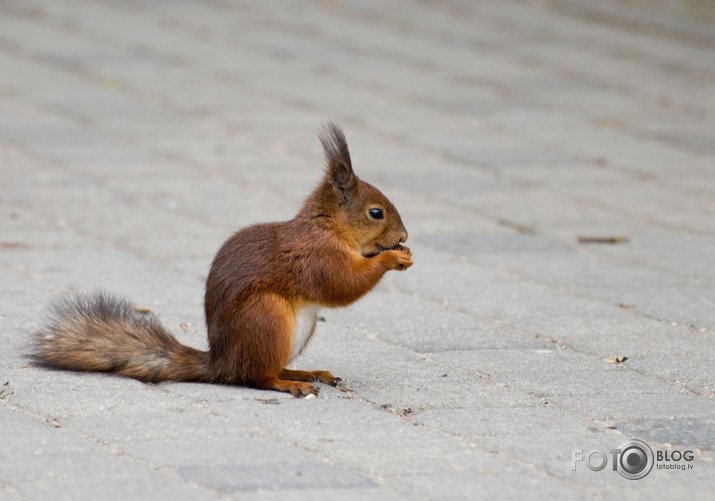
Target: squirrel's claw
pixel 326 378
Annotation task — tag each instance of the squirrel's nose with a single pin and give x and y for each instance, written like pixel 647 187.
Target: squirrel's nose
pixel 403 236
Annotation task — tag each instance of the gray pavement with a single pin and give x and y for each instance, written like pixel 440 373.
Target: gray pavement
pixel 136 136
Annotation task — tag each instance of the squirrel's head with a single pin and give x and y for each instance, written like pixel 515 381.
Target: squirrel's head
pixel 365 219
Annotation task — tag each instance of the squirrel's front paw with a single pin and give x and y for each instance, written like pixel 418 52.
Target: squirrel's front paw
pixel 404 249
pixel 398 259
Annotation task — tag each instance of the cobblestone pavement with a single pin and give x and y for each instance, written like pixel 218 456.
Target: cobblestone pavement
pixel 136 136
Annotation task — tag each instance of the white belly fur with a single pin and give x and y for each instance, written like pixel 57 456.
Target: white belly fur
pixel 305 320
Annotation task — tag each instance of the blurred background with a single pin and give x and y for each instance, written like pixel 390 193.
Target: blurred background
pixel 518 126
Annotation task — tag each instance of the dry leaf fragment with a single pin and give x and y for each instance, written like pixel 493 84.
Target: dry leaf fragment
pixel 269 401
pixel 615 360
pixel 142 309
pixel 53 422
pixel 604 240
pixel 13 245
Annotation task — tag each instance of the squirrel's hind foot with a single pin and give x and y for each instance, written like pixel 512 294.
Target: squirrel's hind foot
pixel 296 388
pixel 310 376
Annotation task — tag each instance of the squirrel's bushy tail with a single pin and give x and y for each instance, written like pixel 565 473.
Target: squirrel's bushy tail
pixel 105 333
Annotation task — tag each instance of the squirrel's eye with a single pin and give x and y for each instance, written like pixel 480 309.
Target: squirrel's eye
pixel 376 213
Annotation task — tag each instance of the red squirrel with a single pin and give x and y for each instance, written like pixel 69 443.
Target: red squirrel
pixel 263 293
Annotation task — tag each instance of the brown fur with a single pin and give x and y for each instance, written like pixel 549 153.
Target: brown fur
pixel 102 333
pixel 331 254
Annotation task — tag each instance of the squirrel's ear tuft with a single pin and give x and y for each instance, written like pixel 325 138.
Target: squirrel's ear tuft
pixel 337 157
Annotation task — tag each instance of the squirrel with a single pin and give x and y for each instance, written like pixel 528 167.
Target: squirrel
pixel 263 293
